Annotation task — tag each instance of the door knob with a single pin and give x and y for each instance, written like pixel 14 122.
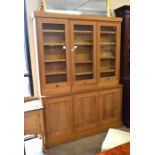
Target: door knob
pixel 64 47
pixel 75 47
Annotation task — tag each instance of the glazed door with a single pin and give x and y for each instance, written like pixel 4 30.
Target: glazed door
pixel 53 55
pixel 83 49
pixel 108 53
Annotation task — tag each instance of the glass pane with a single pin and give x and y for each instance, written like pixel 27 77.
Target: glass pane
pixel 26 70
pixel 107 51
pixel 90 7
pixel 27 90
pixel 83 52
pixel 54 52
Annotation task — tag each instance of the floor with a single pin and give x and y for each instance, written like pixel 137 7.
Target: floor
pixel 86 146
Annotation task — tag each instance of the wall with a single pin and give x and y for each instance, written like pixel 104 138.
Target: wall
pixel 34 7
pixel 117 3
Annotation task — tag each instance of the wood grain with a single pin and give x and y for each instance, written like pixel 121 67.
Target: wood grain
pixel 51 53
pixel 86 111
pixel 123 149
pixel 58 117
pixel 77 102
pixel 83 17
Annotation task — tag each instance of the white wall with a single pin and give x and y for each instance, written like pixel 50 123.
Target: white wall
pixel 117 3
pixel 34 6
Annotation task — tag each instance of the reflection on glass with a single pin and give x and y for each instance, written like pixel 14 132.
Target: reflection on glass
pixel 55 52
pixel 91 7
pixel 83 52
pixel 107 51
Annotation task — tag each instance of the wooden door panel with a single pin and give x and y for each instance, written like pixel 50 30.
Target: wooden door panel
pixel 110 105
pixel 31 122
pixel 86 111
pixel 58 117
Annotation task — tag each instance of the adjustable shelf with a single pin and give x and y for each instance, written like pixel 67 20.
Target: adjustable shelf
pixel 55 73
pixel 79 44
pixel 54 31
pixel 107 71
pixel 106 58
pixel 56 60
pixel 84 62
pixel 108 32
pixel 78 31
pixel 83 73
pixel 107 43
pixel 54 44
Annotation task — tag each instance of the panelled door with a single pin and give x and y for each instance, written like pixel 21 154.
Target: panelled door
pixel 108 53
pixel 110 105
pixel 58 114
pixel 83 51
pixel 86 111
pixel 53 54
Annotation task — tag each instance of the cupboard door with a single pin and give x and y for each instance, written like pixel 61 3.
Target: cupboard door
pixel 83 48
pixel 31 123
pixel 108 53
pixel 110 106
pixel 58 118
pixel 53 55
pixel 86 111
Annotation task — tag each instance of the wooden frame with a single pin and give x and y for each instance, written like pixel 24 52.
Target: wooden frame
pixel 61 86
pixel 58 116
pixel 115 79
pixel 114 96
pixel 81 83
pixel 77 105
pixel 85 115
pixel 34 124
pixel 81 113
pixel 41 14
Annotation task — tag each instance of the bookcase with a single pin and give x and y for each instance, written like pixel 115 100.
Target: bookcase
pixel 79 61
pixel 124 12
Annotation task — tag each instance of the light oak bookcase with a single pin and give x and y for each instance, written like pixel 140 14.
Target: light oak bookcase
pixel 79 65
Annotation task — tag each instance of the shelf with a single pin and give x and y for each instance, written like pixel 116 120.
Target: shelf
pixel 83 31
pixel 106 43
pixel 54 44
pixel 107 58
pixel 58 60
pixel 83 44
pixel 84 61
pixel 55 73
pixel 83 73
pixel 54 31
pixel 108 32
pixel 107 71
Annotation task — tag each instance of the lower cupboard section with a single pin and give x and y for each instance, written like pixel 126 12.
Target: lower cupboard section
pixel 76 116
